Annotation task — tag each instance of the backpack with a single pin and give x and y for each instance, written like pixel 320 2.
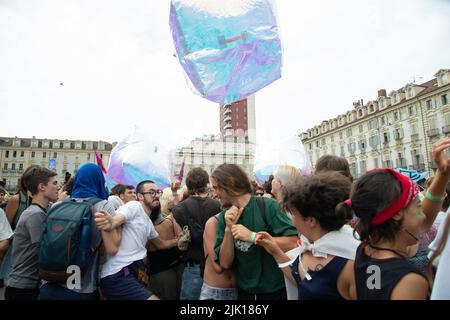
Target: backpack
pixel 66 239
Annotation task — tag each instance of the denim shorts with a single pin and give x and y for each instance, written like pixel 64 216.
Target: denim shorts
pixel 211 293
pixel 123 285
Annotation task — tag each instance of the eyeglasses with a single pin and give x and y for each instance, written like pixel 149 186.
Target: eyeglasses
pixel 258 194
pixel 152 192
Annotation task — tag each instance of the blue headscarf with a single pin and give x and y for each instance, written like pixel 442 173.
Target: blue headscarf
pixel 89 183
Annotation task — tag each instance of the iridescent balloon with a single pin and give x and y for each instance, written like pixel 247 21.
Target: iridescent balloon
pixel 136 158
pixel 229 49
pixel 289 151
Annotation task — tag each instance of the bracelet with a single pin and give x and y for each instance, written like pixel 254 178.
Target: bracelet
pixel 252 238
pixel 432 198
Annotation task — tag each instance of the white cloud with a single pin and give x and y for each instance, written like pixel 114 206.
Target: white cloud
pixel 115 61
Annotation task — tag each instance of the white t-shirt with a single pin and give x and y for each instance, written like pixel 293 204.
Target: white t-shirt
pixel 441 287
pixel 5 229
pixel 136 231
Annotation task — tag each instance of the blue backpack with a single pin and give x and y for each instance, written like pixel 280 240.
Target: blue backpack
pixel 66 240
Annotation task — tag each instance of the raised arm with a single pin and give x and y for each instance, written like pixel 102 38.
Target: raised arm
pixel 432 203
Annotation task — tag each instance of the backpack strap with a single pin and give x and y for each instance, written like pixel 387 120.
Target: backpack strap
pixel 262 210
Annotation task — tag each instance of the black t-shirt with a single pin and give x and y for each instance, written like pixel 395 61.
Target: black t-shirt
pixel 200 210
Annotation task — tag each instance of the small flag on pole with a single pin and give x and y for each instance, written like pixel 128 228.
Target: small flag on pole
pixel 100 162
pixel 180 177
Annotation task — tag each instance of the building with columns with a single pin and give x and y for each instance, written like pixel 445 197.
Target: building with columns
pixel 17 154
pixel 393 130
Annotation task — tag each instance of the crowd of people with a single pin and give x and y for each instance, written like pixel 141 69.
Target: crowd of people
pixel 223 237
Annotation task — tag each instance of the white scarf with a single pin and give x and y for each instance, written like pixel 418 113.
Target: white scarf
pixel 340 243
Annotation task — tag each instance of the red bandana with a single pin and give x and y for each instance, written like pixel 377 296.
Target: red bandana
pixel 409 193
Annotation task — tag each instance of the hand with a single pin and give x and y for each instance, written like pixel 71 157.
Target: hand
pixel 232 215
pixel 267 242
pixel 241 233
pixel 103 221
pixel 440 158
pixel 175 186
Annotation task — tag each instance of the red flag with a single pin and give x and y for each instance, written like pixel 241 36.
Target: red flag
pixel 100 162
pixel 180 177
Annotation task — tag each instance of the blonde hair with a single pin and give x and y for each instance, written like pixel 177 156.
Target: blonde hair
pixel 165 199
pixel 286 174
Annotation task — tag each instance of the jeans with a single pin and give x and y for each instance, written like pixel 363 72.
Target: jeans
pixel 212 293
pixel 191 285
pixel 53 291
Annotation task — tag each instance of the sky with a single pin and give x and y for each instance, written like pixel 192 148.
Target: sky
pixel 115 61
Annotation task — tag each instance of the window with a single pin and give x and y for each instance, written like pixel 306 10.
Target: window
pixel 22 153
pixel 236 109
pixel 376 164
pixel 362 145
pixel 363 167
pixel 237 124
pixel 72 145
pixel 396 116
pixel 50 145
pixel 342 151
pixel 412 110
pixel 21 166
pixel 33 154
pixel 14 153
pixel 351 148
pixel 373 124
pixel 386 137
pixel 414 128
pixel 317 143
pixel 349 132
pixel 55 155
pixel 44 154
pixel 332 138
pixel 83 145
pixel 7 154
pixel 373 141
pixel 360 128
pixel 13 166
pixel 360 113
pixel 237 116
pixel 323 142
pixel 340 135
pixel 61 145
pixel 310 146
pixel 89 156
pixel 5 166
pixel 444 99
pixel 371 108
pixel 245 110
pixel 39 144
pixel 429 104
pixel 398 134
pixel 383 120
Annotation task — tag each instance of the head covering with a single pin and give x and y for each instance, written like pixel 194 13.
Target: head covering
pixel 89 183
pixel 409 193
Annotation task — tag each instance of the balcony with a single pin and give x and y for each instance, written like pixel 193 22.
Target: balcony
pixel 415 137
pixel 227 119
pixel 227 111
pixel 446 129
pixel 433 132
pixel 227 126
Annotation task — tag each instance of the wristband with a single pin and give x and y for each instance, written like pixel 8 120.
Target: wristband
pixel 432 198
pixel 253 236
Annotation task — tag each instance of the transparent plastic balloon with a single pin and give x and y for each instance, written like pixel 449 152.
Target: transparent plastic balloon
pixel 137 158
pixel 269 157
pixel 229 49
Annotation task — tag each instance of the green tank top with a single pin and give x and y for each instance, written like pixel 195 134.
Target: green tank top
pixel 24 202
